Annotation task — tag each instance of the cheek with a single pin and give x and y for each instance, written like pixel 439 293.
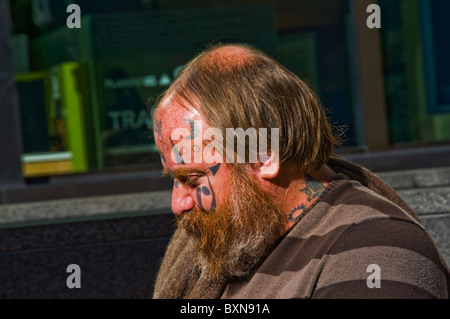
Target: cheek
pixel 222 188
pixel 213 191
pixel 222 193
pixel 206 197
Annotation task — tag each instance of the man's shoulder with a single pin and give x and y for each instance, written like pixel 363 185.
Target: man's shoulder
pixel 360 228
pixel 351 216
pixel 346 203
pixel 400 250
pixel 354 203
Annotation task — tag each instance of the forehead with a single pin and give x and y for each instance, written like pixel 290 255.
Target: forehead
pixel 170 118
pixel 171 115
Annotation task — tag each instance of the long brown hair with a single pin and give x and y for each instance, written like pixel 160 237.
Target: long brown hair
pixel 250 89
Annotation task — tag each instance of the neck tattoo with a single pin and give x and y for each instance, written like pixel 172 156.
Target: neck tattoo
pixel 313 189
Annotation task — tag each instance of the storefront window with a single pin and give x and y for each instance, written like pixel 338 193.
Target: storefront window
pixel 85 92
pixel 416 49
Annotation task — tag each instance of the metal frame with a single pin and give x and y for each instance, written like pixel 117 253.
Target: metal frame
pixel 370 76
pixel 429 59
pixel 10 123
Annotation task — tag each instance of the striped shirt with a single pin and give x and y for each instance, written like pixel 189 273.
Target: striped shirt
pixel 354 243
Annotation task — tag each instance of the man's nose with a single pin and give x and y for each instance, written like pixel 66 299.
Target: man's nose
pixel 181 200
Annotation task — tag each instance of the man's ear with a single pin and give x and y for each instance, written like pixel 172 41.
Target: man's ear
pixel 268 166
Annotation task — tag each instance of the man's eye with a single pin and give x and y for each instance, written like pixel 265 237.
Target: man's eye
pixel 186 181
pixel 191 183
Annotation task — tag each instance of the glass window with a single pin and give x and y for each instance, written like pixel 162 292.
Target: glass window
pixel 85 92
pixel 416 67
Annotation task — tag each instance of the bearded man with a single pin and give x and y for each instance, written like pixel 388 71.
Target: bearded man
pixel 296 223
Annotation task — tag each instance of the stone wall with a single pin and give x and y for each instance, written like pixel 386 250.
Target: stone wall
pixel 427 191
pixel 117 241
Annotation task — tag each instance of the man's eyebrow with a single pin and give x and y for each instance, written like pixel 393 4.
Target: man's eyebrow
pixel 183 172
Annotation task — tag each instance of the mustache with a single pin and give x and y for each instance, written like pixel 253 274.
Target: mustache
pixel 198 221
pixel 189 214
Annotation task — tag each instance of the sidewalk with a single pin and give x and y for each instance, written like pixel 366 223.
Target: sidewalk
pixel 427 191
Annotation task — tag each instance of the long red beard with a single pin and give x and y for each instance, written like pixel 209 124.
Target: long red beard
pixel 238 234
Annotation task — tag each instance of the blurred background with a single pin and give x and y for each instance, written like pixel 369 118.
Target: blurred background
pixel 79 172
